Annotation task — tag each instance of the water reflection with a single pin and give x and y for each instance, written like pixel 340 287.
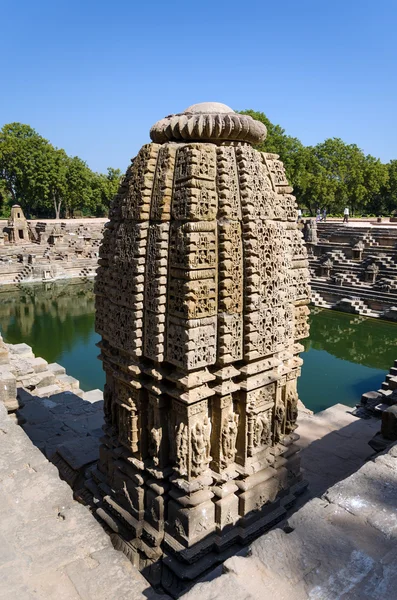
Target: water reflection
pixel 345 356
pixel 353 338
pixel 57 320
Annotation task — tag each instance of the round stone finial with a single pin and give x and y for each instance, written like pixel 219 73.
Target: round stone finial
pixel 208 108
pixel 208 122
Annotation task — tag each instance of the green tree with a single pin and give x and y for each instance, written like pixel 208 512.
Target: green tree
pixel 24 156
pixel 278 142
pixel 44 179
pixel 78 194
pixel 58 183
pixel 385 201
pixel 104 189
pixel 331 174
pixel 5 200
pixel 313 186
pixel 353 177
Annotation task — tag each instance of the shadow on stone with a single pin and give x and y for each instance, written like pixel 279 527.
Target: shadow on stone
pixel 334 445
pixel 66 429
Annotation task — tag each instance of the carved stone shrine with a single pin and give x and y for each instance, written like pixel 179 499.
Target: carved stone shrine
pixel 201 298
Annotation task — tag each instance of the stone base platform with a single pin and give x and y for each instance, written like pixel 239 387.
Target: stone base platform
pixel 334 445
pixel 51 547
pixel 342 543
pixel 43 530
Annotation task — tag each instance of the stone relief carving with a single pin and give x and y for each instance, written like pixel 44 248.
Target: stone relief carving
pixel 201 445
pixel 202 293
pixel 279 418
pixel 291 411
pixel 229 437
pixel 263 433
pixel 181 448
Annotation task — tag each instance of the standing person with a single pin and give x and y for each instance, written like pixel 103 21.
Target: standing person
pixel 299 215
pixel 346 215
pixel 318 215
pixel 324 215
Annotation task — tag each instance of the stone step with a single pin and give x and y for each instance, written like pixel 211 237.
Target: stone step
pixel 392 383
pixel 22 350
pixel 45 378
pixel 39 364
pixel 68 380
pixel 47 391
pixel 93 395
pixel 56 369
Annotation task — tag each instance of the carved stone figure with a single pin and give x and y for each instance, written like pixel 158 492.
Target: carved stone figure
pixel 201 300
pixel 263 432
pixel 279 421
pixel 291 411
pixel 229 437
pixel 201 433
pixel 181 448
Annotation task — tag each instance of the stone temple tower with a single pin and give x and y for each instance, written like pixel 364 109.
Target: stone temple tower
pixel 201 298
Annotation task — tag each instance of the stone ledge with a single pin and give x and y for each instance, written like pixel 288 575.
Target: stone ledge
pixel 51 546
pixel 343 545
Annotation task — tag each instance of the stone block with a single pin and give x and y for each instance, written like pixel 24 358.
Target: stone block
pixel 56 369
pixel 389 423
pixel 370 493
pixel 8 390
pixel 21 350
pixel 85 424
pixel 93 576
pixel 39 364
pixel 48 390
pixel 51 542
pixel 4 353
pixel 69 381
pixel 21 367
pixel 93 396
pixel 78 392
pixel 80 452
pixel 34 412
pixel 45 378
pixel 227 586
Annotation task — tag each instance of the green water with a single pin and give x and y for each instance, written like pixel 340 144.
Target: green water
pixel 57 320
pixel 345 356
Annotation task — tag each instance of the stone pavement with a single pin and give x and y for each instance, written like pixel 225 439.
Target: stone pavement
pixel 51 557
pixel 51 547
pixel 334 445
pixel 342 545
pixel 66 428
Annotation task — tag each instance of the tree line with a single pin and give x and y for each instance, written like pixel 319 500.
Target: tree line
pixel 47 182
pixel 333 174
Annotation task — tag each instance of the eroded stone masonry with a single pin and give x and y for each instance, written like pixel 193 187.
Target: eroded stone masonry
pixel 201 300
pixel 47 250
pixel 353 267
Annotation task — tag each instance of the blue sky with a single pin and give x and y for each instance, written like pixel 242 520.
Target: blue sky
pixel 93 77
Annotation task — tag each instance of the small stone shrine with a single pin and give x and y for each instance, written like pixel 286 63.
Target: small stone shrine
pixel 201 298
pixel 17 226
